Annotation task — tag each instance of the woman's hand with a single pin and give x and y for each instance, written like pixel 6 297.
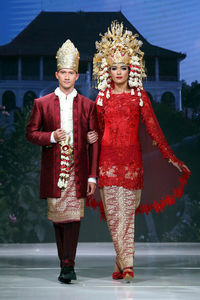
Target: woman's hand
pixel 180 168
pixel 92 137
pixel 185 167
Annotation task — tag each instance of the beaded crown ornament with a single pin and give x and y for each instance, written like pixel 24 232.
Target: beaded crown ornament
pixel 118 46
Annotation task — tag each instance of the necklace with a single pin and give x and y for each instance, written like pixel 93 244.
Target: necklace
pixel 121 92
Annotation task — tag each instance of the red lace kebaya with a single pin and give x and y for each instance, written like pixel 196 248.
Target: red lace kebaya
pixel 126 152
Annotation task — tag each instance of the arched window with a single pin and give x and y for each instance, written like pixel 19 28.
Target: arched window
pixel 150 96
pixel 8 100
pixel 28 99
pixel 168 99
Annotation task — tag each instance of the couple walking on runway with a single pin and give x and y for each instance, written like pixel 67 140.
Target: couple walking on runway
pixel 116 140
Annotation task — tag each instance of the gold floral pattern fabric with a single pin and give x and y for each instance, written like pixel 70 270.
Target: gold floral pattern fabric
pixel 119 206
pixel 68 207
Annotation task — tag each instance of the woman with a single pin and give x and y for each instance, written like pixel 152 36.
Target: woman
pixel 121 103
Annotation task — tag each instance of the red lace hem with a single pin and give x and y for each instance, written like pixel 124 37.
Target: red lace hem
pixel 166 200
pixel 146 208
pixel 138 184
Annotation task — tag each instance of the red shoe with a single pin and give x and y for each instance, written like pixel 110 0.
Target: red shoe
pixel 117 275
pixel 128 275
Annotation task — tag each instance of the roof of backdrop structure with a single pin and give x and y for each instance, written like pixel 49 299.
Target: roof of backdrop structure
pixel 49 30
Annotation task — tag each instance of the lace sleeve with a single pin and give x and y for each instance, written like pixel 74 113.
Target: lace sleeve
pixel 100 116
pixel 153 128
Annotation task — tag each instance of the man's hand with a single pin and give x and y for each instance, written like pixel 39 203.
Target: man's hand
pixel 91 187
pixel 92 137
pixel 59 135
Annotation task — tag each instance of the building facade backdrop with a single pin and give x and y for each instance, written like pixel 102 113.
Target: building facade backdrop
pixel 28 64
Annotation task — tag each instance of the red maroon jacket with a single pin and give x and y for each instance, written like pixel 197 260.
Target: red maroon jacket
pixel 45 118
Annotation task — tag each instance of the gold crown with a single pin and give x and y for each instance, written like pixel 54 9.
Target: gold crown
pixel 119 56
pixel 67 57
pixel 117 46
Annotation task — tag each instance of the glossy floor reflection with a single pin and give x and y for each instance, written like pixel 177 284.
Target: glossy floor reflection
pixel 162 271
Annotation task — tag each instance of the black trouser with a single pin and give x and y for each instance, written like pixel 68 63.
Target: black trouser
pixel 67 239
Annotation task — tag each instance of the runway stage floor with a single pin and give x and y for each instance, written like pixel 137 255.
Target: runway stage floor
pixel 162 271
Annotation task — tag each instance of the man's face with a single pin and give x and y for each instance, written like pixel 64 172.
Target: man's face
pixel 66 78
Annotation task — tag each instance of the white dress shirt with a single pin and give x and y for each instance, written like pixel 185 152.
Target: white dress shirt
pixel 66 117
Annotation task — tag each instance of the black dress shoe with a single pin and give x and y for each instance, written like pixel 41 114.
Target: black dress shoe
pixel 67 274
pixel 62 280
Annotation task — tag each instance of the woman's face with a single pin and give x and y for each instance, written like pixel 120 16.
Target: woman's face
pixel 119 73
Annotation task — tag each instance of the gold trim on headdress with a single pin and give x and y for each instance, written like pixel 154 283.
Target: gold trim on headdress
pixel 118 46
pixel 67 57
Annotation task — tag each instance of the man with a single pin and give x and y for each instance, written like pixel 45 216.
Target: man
pixel 59 122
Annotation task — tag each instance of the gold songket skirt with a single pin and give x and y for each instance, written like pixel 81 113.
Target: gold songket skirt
pixel 119 206
pixel 67 208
